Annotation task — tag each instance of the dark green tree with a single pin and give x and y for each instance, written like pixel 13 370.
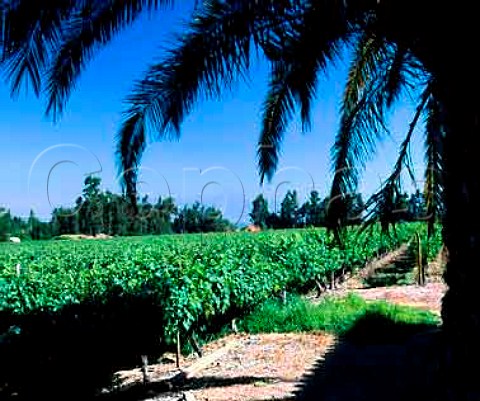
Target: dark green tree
pixel 105 212
pixel 289 210
pixel 259 214
pixel 416 206
pixel 314 210
pixel 92 206
pixel 30 228
pixel 145 216
pixel 164 213
pixel 119 208
pixel 274 221
pixel 5 224
pixel 64 221
pixel 200 219
pixel 108 212
pixel 34 226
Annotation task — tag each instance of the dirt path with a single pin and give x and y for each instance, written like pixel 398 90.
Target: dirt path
pixel 428 297
pixel 262 367
pixel 357 280
pixel 437 266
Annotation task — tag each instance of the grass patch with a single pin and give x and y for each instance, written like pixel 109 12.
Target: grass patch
pixel 334 315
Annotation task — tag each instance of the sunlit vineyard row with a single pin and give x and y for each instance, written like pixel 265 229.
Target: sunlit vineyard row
pixel 192 279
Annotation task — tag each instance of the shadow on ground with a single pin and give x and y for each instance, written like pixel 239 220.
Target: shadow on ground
pixel 66 355
pixel 165 390
pixel 379 359
pixel 70 353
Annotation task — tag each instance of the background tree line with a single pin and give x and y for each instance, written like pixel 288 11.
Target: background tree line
pixel 314 211
pixel 103 212
pixel 98 212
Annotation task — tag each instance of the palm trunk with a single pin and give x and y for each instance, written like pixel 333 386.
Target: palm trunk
pixel 461 304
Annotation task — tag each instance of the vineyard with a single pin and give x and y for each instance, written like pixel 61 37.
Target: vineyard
pixel 141 295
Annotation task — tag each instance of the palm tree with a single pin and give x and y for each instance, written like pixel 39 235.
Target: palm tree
pixel 395 44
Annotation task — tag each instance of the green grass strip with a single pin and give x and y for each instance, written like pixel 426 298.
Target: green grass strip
pixel 334 315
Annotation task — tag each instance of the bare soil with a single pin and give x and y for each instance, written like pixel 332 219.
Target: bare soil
pixel 356 281
pixel 77 237
pixel 262 367
pixel 428 297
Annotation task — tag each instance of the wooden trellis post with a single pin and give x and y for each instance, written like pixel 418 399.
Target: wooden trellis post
pixel 179 348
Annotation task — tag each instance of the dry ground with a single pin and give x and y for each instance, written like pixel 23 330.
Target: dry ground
pixel 260 367
pixel 428 297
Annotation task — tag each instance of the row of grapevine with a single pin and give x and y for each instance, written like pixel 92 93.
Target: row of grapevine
pixel 194 277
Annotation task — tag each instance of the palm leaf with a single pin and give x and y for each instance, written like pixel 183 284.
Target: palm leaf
pixel 85 31
pixel 32 32
pixel 210 56
pixel 403 154
pixel 29 29
pixel 434 137
pixel 279 108
pixel 377 77
pixel 130 142
pixel 359 123
pixel 304 53
pixel 382 205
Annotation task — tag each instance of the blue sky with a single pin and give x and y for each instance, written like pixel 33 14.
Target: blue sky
pixel 43 164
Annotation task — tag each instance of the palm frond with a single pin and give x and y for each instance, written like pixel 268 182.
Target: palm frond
pixel 396 76
pixel 34 31
pixel 433 190
pixel 84 32
pixel 362 117
pixel 131 141
pixel 382 205
pixel 209 57
pixel 29 30
pixel 403 154
pixel 279 108
pixel 358 126
pixel 313 42
pixel 376 79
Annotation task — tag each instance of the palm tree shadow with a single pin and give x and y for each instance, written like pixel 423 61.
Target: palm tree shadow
pixel 165 389
pixel 379 359
pixel 70 353
pixel 74 351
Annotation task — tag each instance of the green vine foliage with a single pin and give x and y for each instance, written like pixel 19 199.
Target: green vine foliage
pixel 193 277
